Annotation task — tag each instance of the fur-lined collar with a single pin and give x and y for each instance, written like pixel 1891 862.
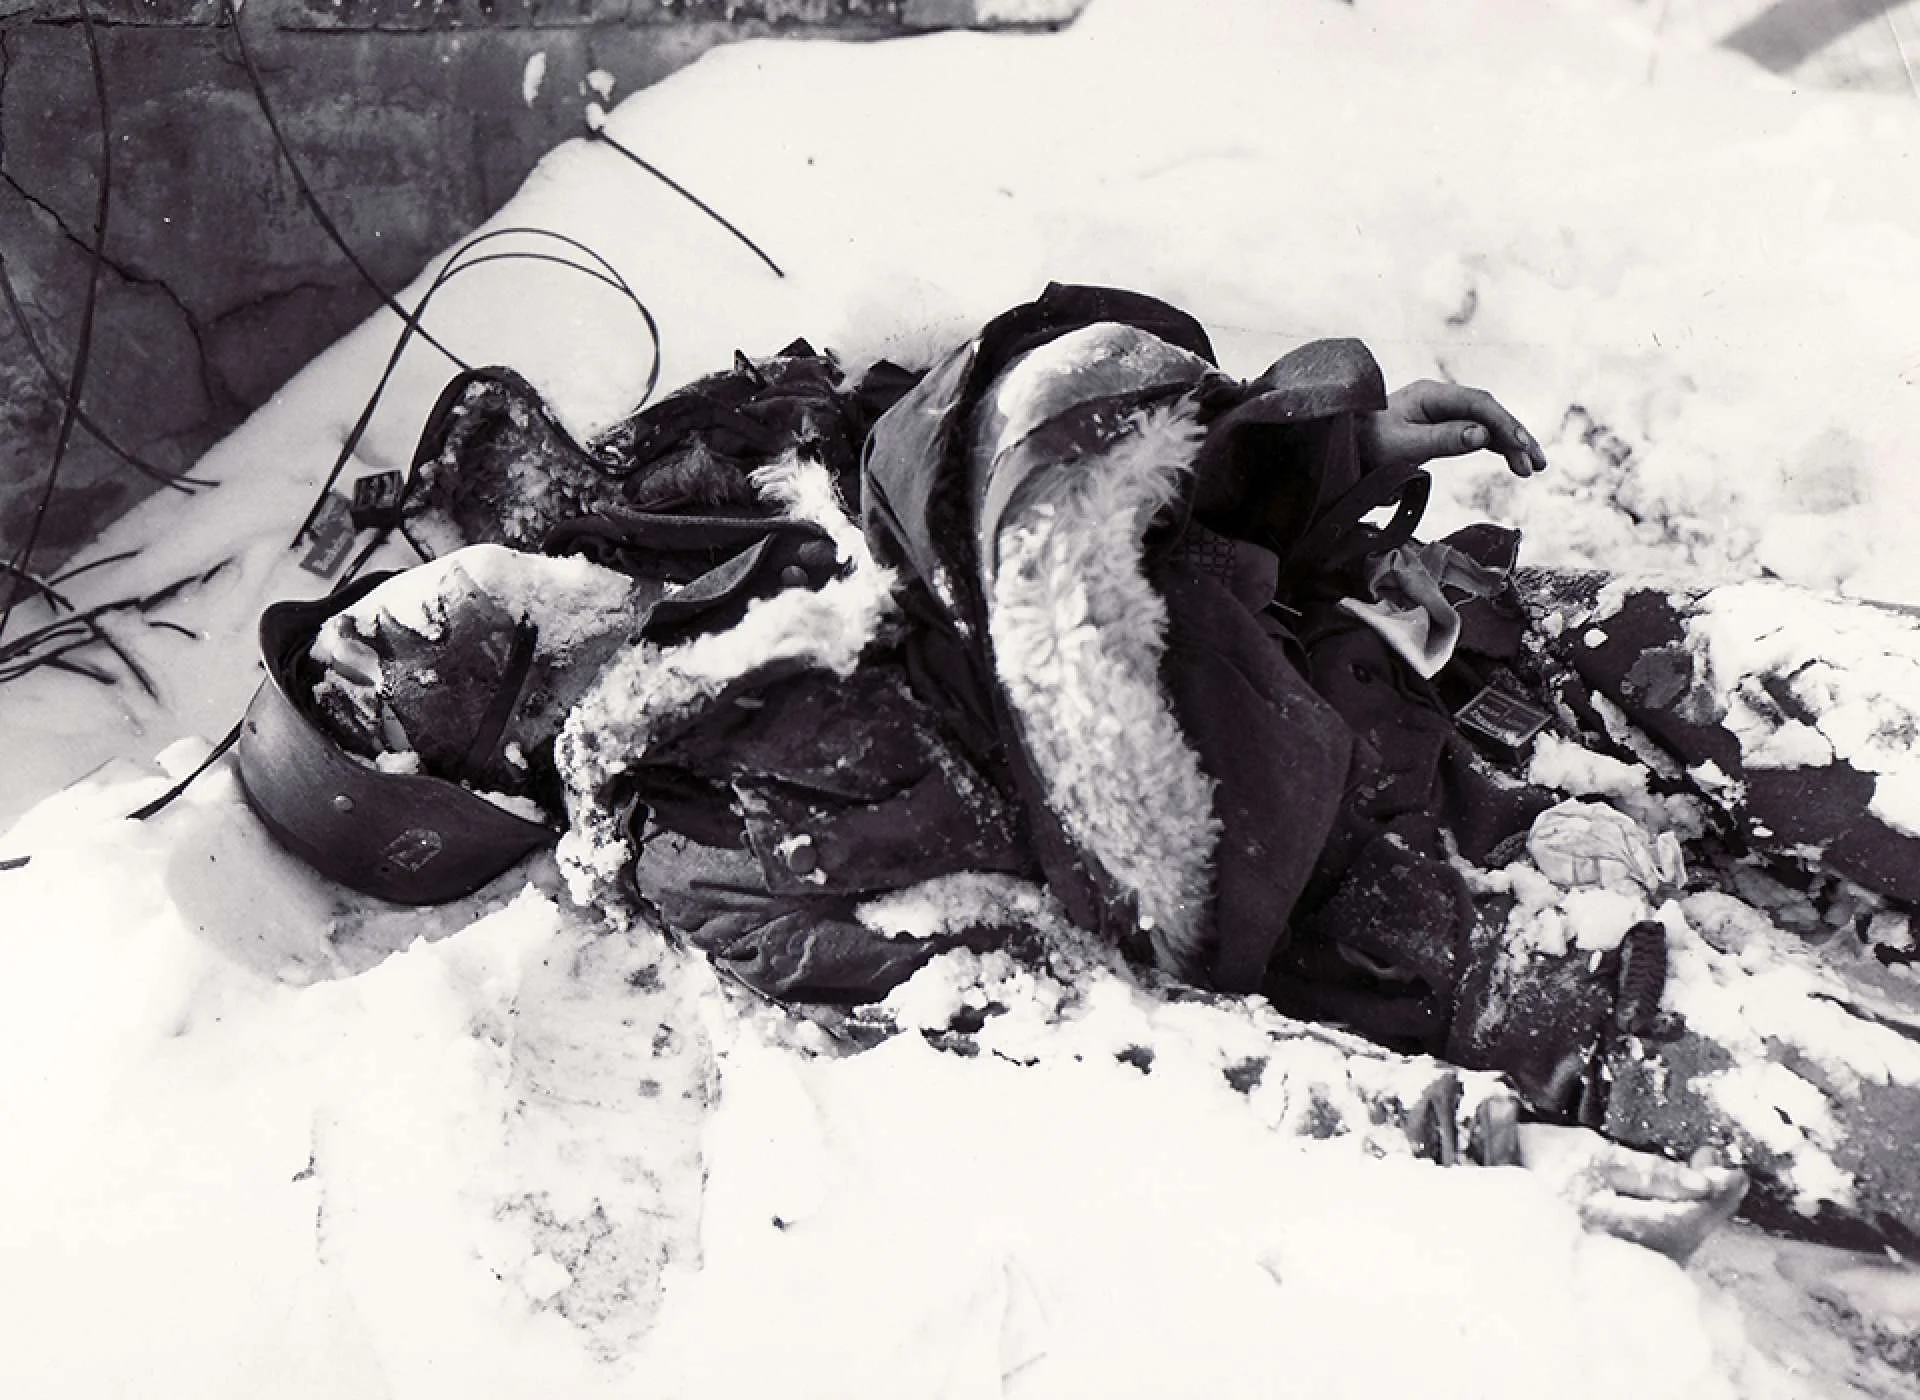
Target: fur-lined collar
pixel 1078 633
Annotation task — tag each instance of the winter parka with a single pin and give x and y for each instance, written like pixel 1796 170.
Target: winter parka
pixel 1040 657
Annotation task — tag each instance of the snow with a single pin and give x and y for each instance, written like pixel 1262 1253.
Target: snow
pixel 277 1141
pixel 1597 919
pixel 1789 1116
pixel 1752 992
pixel 571 599
pixel 890 1144
pixel 1026 11
pixel 1562 764
pixel 952 903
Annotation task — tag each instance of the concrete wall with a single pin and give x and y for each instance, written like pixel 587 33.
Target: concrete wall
pixel 409 121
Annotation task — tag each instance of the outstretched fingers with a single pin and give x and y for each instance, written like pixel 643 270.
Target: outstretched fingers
pixel 1455 420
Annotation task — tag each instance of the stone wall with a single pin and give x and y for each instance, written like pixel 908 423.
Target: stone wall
pixel 411 122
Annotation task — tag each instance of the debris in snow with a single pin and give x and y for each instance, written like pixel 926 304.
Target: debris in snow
pixel 1831 679
pixel 1578 844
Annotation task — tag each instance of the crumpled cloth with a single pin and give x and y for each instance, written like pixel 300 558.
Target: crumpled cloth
pixel 1581 845
pixel 1409 607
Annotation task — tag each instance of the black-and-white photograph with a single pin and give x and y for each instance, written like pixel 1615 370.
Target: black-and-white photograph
pixel 954 699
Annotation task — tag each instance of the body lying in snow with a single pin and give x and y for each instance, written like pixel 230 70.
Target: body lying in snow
pixel 1114 625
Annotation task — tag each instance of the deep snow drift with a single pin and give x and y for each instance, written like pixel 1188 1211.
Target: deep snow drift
pixel 267 1140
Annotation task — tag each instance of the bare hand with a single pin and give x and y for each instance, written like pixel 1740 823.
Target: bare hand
pixel 1668 1206
pixel 1429 419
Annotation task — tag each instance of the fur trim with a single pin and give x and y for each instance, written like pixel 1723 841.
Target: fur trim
pixel 1078 633
pixel 804 489
pixel 647 687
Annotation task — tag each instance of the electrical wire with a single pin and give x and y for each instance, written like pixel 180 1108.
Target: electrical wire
pixel 312 200
pixel 48 590
pixel 600 133
pixel 166 798
pixel 48 645
pixel 463 259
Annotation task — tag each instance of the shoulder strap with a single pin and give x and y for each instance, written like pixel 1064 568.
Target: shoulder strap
pixel 1337 537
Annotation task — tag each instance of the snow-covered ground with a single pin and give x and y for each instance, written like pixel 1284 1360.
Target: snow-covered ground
pixel 264 1140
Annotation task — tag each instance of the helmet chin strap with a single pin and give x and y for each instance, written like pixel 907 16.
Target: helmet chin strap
pixel 506 699
pixel 166 798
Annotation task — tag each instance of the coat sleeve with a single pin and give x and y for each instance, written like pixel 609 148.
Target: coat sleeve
pixel 770 823
pixel 788 947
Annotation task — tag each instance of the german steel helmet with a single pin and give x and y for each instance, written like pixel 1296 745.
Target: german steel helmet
pixel 406 837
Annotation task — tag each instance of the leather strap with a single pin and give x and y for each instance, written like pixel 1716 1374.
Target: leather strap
pixel 513 680
pixel 1337 537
